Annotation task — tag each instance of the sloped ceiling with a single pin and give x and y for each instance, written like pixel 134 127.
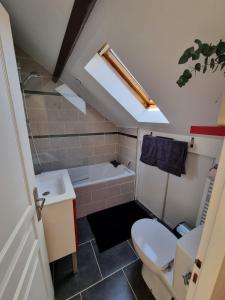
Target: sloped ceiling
pixel 39 27
pixel 149 36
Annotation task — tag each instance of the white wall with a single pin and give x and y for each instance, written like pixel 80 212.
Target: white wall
pixel 182 194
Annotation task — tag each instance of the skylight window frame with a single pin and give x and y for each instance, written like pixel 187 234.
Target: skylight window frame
pixel 110 56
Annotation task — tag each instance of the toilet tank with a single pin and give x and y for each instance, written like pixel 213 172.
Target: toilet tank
pixel 186 251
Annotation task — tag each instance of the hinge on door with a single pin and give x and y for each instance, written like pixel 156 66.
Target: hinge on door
pixel 198 263
pixel 195 278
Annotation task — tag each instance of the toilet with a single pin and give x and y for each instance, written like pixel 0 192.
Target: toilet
pixel 157 248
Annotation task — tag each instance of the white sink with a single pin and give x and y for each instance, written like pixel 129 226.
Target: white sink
pixel 55 186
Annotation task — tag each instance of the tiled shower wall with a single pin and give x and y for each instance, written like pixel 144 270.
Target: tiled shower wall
pixel 127 149
pixel 63 136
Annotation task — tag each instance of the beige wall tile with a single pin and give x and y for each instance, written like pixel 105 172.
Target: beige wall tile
pixel 117 200
pixel 106 149
pixel 53 102
pixel 110 157
pixel 97 197
pixel 91 188
pixel 54 115
pixel 39 128
pixel 43 144
pixel 65 142
pixel 56 128
pixel 84 198
pixel 37 115
pixel 132 131
pixel 94 116
pixel 94 140
pixel 130 154
pixel 35 101
pixel 69 115
pixel 125 188
pixel 95 159
pixel 111 139
pixel 106 193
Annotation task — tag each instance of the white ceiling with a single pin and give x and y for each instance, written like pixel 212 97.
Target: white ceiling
pixel 149 36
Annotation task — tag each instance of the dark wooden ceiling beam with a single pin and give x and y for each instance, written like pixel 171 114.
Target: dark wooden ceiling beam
pixel 79 15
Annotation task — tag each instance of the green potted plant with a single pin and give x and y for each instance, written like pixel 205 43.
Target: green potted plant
pixel 205 57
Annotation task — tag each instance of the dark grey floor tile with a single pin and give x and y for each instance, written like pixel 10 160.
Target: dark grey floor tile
pixel 133 273
pixel 66 283
pixel 84 230
pixel 114 258
pixel 132 246
pixel 151 215
pixel 114 287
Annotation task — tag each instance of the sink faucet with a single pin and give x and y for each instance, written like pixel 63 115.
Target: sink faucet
pixel 129 163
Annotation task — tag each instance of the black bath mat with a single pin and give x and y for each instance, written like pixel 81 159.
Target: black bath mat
pixel 112 226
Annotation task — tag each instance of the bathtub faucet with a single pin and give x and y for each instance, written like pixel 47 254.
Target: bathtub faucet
pixel 129 163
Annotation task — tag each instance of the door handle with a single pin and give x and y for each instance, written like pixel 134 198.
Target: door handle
pixel 39 203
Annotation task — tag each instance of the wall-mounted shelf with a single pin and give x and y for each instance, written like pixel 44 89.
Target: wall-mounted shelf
pixel 208 130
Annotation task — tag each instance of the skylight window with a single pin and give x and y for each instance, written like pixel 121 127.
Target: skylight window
pixel 110 72
pixel 110 56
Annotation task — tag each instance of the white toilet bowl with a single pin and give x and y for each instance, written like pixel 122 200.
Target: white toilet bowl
pixel 156 247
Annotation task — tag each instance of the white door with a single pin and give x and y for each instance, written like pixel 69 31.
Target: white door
pixel 24 269
pixel 211 250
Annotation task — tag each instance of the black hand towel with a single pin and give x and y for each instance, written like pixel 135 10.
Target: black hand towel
pixel 165 153
pixel 149 150
pixel 171 156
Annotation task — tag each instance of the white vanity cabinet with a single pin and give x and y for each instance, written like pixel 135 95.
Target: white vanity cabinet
pixel 60 230
pixel 58 213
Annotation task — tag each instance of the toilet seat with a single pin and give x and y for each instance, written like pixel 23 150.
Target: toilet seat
pixel 154 243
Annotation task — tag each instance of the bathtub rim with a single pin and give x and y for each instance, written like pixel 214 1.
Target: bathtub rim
pixel 85 183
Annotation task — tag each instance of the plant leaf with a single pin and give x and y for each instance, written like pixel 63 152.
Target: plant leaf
pixel 221 58
pixel 186 55
pixel 205 65
pixel 212 50
pixel 187 74
pixel 204 69
pixel 196 54
pixel 220 48
pixel 197 41
pixel 205 50
pixel 181 81
pixel 212 63
pixel 222 66
pixel 198 67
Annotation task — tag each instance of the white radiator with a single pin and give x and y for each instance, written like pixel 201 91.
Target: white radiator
pixel 205 201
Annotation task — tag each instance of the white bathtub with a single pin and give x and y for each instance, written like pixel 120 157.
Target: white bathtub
pixel 93 174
